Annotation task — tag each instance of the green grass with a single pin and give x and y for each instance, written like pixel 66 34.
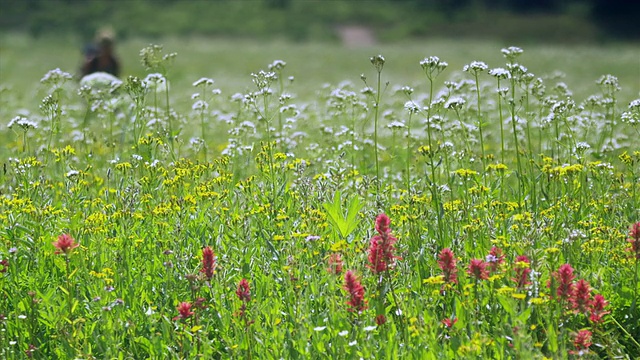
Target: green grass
pixel 288 192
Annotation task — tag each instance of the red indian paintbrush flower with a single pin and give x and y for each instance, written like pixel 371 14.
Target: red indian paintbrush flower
pixel 184 310
pixel 208 262
pixel 243 291
pixel 634 239
pixel 597 308
pixel 447 262
pixel 478 269
pixel 65 244
pixel 580 296
pixel 381 250
pixel 565 277
pixel 335 264
pixel 4 263
pixel 582 342
pixel 448 322
pixel 356 292
pixel 522 271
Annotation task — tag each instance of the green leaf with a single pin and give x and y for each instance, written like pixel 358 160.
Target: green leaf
pixel 507 305
pixel 552 338
pixel 345 224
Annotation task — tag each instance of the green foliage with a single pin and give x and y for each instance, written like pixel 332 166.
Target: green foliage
pixel 345 223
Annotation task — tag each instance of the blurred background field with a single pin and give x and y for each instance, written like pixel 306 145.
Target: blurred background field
pixel 323 41
pixel 24 60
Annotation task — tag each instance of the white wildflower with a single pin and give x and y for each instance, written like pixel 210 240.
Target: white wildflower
pixel 203 81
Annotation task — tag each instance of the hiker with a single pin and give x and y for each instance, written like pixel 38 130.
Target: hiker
pixel 102 59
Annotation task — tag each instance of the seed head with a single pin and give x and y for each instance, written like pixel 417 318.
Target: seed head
pixel 377 62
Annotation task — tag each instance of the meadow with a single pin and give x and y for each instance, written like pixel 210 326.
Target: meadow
pixel 239 199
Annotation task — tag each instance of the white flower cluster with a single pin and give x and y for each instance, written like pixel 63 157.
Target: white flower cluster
pixel 23 122
pixel 56 76
pixel 475 67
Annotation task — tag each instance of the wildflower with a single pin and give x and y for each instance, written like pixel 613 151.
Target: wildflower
pixel 447 262
pixel 203 81
pixel 581 342
pixel 335 264
pixel 448 322
pixel 381 320
pixel 411 107
pixel 500 73
pixel 565 277
pixel 495 259
pixel 30 350
pixel 381 249
pixel 432 65
pixel 23 122
pixel 596 309
pixel 277 65
pixel 478 269
pixel 511 53
pixel 522 271
pixel 580 296
pixel 184 310
pixel 243 291
pixel 208 262
pixel 55 77
pixel 200 303
pixel 475 67
pixel 356 292
pixel 5 265
pixel 634 239
pixel 455 103
pixel 65 244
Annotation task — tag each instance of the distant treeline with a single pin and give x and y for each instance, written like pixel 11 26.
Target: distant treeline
pixel 318 19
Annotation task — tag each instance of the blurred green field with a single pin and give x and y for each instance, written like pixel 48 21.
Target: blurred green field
pixel 24 60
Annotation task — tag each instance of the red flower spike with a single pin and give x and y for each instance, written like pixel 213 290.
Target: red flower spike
pixel 381 250
pixel 448 323
pixel 4 265
pixel 208 262
pixel 478 269
pixel 335 264
pixel 65 244
pixel 356 292
pixel 447 262
pixel 184 310
pixel 522 272
pixel 634 232
pixel 582 342
pixel 382 224
pixel 565 277
pixel 634 240
pixel 597 309
pixel 381 320
pixel 244 291
pixel 581 296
